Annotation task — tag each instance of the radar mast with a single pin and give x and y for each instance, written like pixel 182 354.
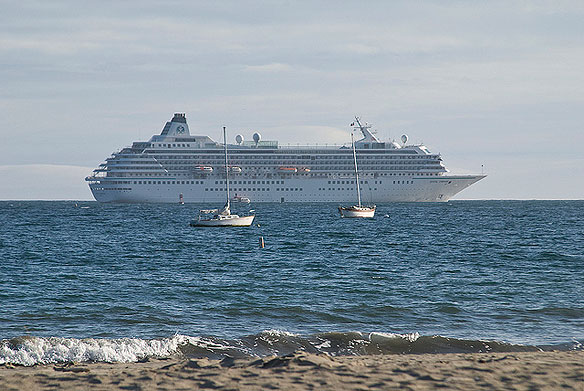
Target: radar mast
pixel 368 136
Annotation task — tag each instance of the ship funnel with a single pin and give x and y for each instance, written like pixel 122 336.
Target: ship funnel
pixel 177 126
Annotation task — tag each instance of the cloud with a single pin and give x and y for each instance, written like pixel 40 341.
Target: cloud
pixel 508 178
pixel 358 48
pixel 272 67
pixel 80 79
pixel 308 135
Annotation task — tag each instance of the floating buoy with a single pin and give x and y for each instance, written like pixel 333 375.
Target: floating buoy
pixel 262 243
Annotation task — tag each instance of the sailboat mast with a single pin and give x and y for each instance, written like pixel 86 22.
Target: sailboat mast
pixel 226 168
pixel 356 172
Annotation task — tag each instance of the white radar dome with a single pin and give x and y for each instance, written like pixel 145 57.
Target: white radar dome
pixel 239 139
pixel 257 137
pixel 404 138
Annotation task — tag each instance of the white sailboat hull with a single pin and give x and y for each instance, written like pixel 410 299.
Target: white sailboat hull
pixel 357 211
pixel 225 221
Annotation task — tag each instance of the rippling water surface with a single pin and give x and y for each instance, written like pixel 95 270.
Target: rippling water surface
pixel 507 271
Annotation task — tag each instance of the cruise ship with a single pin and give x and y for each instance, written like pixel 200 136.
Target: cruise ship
pixel 176 166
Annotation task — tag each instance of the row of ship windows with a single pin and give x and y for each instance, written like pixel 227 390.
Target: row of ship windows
pixel 264 188
pixel 175 145
pixel 347 182
pixel 251 182
pixel 295 175
pixel 167 182
pixel 353 188
pixel 201 160
pixel 255 189
pixel 275 155
pixel 246 182
pixel 236 156
pixel 146 165
pixel 342 188
pixel 199 182
pixel 271 169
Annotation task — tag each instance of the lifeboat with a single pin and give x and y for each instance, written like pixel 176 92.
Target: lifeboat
pixel 204 169
pixel 235 169
pixel 305 169
pixel 288 169
pixel 241 199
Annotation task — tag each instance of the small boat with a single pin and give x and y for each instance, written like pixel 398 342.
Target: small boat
pixel 223 217
pixel 288 169
pixel 233 169
pixel 204 168
pixel 357 210
pixel 304 169
pixel 241 199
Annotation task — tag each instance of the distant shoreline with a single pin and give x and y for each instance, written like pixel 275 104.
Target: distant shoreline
pixel 323 203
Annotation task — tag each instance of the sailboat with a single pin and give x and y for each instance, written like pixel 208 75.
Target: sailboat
pixel 223 217
pixel 357 210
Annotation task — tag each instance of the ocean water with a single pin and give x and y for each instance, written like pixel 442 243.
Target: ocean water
pixel 103 282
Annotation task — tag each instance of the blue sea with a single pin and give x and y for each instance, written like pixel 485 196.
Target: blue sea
pixel 83 281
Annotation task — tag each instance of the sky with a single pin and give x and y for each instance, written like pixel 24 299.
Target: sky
pixel 493 85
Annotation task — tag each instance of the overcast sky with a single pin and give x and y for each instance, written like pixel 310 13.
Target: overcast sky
pixel 499 84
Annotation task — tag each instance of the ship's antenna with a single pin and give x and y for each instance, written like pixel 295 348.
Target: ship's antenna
pixel 365 129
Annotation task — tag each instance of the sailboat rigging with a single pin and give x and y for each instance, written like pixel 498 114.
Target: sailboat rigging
pixel 358 210
pixel 224 217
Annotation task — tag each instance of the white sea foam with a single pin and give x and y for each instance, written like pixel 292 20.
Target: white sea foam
pixel 279 333
pixel 410 337
pixel 206 343
pixel 37 350
pixel 325 345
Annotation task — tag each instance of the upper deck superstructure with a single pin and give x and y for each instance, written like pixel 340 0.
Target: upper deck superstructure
pixel 176 162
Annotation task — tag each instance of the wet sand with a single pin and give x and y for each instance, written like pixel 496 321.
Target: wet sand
pixel 301 371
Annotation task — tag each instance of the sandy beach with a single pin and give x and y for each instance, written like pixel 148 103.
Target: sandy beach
pixel 301 371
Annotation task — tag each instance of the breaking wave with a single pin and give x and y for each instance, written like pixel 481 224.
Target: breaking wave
pixel 39 350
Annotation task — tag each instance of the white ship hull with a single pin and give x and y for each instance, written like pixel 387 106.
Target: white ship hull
pixel 411 189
